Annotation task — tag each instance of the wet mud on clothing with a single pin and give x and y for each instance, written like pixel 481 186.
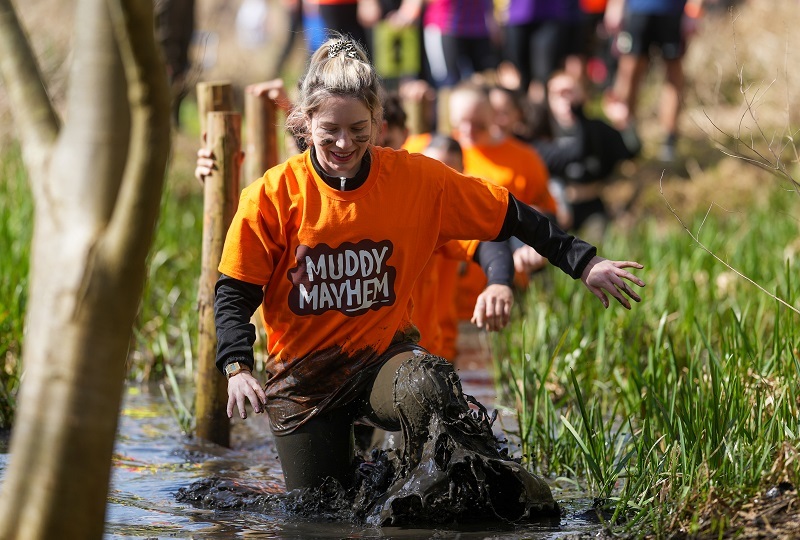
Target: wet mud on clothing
pixel 451 468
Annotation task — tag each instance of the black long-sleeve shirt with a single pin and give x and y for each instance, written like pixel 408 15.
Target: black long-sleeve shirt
pixel 588 151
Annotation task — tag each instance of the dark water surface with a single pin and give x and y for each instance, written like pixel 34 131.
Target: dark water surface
pixel 152 461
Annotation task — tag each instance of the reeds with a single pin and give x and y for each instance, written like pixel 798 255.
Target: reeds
pixel 680 410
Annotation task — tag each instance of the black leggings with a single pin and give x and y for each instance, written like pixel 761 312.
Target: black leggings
pixel 324 447
pixel 452 58
pixel 537 49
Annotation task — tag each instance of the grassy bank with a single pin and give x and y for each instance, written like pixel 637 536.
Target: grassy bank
pixel 679 413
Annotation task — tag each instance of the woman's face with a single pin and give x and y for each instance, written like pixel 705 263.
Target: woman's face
pixel 341 131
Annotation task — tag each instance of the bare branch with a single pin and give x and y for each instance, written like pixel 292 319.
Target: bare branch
pixel 34 113
pixel 747 147
pixel 717 257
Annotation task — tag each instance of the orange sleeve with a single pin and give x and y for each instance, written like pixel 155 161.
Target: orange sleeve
pixel 249 244
pixel 472 209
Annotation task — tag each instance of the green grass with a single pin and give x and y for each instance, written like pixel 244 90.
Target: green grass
pixel 688 400
pixel 166 327
pixel 16 216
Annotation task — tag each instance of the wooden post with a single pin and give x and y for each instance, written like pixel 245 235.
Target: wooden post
pixel 221 195
pixel 261 135
pixel 213 96
pixel 443 111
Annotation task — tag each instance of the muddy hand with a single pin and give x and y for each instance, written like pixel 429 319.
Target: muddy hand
pixel 243 387
pixel 602 276
pixel 493 307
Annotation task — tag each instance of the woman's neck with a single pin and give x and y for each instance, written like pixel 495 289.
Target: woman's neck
pixel 342 183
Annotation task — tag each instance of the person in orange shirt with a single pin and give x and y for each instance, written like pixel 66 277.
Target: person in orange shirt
pixel 504 161
pixel 329 245
pixel 434 310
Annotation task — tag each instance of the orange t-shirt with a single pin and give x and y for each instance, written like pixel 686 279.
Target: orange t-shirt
pixel 338 267
pixel 448 318
pixel 518 168
pixel 417 143
pixel 426 298
pixel 515 166
pixel 433 297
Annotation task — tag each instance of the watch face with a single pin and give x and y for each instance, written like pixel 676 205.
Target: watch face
pixel 230 368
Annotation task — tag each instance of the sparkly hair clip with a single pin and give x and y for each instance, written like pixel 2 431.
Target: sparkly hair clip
pixel 343 46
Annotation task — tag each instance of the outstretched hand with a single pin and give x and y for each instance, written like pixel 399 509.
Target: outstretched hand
pixel 241 388
pixel 493 307
pixel 603 276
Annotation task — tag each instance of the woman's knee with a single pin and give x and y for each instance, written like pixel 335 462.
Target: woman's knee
pixel 411 384
pixel 425 385
pixel 381 410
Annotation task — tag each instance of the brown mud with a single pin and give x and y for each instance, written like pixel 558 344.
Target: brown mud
pixel 450 470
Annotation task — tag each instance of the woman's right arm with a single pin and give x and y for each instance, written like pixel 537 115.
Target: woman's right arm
pixel 235 302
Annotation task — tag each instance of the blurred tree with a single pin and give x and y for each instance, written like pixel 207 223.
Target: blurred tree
pixel 174 21
pixel 97 182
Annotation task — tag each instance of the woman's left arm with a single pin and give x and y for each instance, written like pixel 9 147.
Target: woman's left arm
pixel 571 254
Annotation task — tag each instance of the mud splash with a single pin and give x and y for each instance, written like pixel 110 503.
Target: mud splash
pixel 450 470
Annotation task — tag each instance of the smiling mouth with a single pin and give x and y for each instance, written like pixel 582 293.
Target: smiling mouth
pixel 342 157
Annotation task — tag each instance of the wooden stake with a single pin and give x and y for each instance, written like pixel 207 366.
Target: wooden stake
pixel 261 135
pixel 221 194
pixel 213 96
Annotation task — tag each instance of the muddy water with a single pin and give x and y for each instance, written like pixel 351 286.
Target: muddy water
pixel 152 462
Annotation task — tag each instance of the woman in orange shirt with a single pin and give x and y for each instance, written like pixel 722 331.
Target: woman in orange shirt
pixel 329 245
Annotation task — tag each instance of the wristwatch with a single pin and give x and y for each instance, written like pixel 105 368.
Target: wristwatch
pixel 234 368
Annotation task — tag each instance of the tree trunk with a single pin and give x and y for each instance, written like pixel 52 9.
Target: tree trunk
pixel 97 202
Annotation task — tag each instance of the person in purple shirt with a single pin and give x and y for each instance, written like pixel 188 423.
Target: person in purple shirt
pixel 460 37
pixel 640 26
